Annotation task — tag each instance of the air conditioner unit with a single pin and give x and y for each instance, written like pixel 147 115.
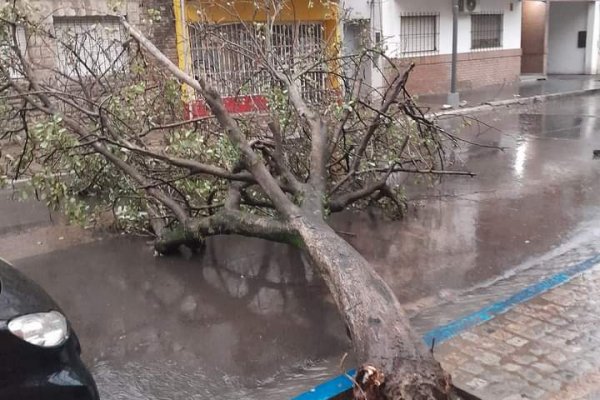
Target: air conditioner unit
pixel 468 6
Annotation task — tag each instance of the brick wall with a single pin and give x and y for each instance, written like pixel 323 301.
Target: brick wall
pixel 162 33
pixel 41 50
pixel 432 73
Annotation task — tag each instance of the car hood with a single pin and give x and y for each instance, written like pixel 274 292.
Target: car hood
pixel 19 295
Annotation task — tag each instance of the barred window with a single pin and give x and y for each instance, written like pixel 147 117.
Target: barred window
pixel 7 55
pixel 419 33
pixel 223 55
pixel 486 30
pixel 90 45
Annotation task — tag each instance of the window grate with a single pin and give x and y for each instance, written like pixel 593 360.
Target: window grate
pixel 487 30
pixel 419 34
pixel 90 45
pixel 223 55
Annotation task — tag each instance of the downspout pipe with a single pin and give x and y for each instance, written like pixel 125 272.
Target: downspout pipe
pixel 453 96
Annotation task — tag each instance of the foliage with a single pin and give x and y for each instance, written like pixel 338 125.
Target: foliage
pixel 135 112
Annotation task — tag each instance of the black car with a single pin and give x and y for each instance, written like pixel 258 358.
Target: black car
pixel 39 352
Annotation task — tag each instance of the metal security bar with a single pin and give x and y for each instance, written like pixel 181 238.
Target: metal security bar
pixel 8 58
pixel 487 30
pixel 419 34
pixel 90 45
pixel 224 55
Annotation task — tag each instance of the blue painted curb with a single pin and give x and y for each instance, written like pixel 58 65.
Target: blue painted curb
pixel 328 389
pixel 442 333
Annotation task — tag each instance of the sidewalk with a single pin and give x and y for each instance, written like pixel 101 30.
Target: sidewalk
pixel 526 88
pixel 545 348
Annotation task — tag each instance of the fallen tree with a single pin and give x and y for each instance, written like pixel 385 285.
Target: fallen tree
pixel 109 133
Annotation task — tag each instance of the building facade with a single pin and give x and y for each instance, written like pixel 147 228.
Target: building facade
pixel 221 41
pixel 420 32
pixel 560 37
pixel 498 40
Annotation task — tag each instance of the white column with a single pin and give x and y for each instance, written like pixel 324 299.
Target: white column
pixel 593 37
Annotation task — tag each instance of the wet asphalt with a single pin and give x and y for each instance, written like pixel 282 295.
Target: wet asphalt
pixel 249 319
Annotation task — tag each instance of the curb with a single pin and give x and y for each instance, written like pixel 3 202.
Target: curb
pixel 335 387
pixel 491 105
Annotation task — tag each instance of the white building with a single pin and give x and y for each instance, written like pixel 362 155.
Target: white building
pixel 560 37
pixel 493 35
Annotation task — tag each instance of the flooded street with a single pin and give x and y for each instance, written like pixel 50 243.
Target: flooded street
pixel 249 319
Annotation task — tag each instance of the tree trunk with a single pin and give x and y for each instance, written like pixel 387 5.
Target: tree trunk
pixel 381 334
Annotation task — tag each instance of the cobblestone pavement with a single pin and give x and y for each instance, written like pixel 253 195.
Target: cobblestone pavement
pixel 545 348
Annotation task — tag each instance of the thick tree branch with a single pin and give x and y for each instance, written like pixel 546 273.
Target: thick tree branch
pixel 319 145
pixel 252 161
pixel 280 160
pixel 341 202
pixel 227 222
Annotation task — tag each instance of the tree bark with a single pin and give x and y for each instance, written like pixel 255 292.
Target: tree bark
pixel 396 364
pixel 381 334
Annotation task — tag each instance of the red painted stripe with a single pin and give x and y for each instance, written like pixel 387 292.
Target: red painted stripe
pixel 235 105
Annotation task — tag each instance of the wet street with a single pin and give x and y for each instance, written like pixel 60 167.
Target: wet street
pixel 250 319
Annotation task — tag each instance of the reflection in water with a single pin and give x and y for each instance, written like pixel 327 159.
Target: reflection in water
pixel 245 309
pixel 520 157
pixel 556 126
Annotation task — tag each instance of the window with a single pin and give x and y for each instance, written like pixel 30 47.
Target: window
pixel 223 55
pixel 90 45
pixel 419 33
pixel 8 57
pixel 486 31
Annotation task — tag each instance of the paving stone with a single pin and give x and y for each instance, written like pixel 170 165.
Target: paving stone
pixel 476 383
pixel 554 341
pixel 578 366
pixel 501 391
pixel 461 377
pixel 537 331
pixel 564 376
pixel 470 336
pixel 503 349
pixel 488 359
pixel 532 392
pixel 472 368
pixel 525 359
pixel 534 350
pixel 487 343
pixel 522 329
pixel 501 335
pixel 457 358
pixel 544 367
pixel 512 367
pixel 471 350
pixel 517 317
pixel 515 397
pixel 530 374
pixel 517 341
pixel 538 350
pixel 551 385
pixel 499 375
pixel 567 334
pixel 556 358
pixel 572 349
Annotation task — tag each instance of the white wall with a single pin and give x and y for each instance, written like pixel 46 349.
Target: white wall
pixel 392 10
pixel 593 37
pixel 566 19
pixel 357 9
